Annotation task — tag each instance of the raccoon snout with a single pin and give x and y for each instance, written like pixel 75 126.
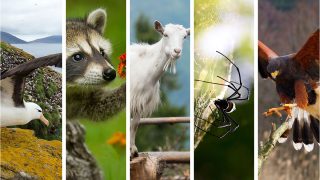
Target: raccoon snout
pixel 109 74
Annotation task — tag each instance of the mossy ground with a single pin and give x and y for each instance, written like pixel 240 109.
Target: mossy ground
pixel 21 151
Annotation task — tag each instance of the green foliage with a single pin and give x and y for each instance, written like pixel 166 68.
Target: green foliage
pixel 51 90
pixel 144 31
pixel 39 86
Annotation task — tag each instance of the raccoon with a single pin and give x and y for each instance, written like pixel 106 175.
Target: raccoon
pixel 88 67
pixel 88 52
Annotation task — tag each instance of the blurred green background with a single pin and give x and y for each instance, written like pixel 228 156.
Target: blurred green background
pixel 225 26
pixel 111 159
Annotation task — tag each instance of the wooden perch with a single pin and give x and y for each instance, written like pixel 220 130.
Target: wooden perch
pixel 150 165
pixel 164 120
pixel 169 157
pixel 268 147
pixel 80 162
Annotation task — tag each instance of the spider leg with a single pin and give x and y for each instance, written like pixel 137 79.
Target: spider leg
pixel 227 82
pixel 208 82
pixel 238 71
pixel 230 119
pixel 248 90
pixel 212 123
pixel 233 65
pixel 224 120
pixel 236 90
pixel 208 132
pixel 228 85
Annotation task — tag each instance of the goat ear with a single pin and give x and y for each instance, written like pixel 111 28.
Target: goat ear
pixel 158 27
pixel 97 19
pixel 188 31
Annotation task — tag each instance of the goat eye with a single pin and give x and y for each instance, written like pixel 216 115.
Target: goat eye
pixel 39 110
pixel 77 57
pixel 184 37
pixel 102 52
pixel 165 35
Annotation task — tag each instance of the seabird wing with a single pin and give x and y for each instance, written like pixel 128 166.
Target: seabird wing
pixel 13 80
pixel 308 56
pixel 27 67
pixel 264 55
pixel 12 91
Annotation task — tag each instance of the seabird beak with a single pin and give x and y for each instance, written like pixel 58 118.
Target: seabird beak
pixel 44 120
pixel 275 74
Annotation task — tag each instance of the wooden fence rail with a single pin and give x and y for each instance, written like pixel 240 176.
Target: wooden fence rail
pixel 164 120
pixel 150 165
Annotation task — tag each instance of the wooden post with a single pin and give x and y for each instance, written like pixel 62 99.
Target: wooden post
pixel 150 165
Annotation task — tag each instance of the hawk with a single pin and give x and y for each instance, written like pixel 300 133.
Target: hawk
pixel 297 83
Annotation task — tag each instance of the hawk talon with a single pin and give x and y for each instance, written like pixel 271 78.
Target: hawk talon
pixel 286 107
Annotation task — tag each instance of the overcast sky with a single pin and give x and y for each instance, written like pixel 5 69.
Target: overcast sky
pixel 31 19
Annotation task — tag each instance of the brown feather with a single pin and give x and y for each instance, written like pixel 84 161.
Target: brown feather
pixel 301 94
pixel 314 84
pixel 283 98
pixel 264 55
pixel 308 56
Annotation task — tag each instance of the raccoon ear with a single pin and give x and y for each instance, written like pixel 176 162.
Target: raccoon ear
pixel 97 19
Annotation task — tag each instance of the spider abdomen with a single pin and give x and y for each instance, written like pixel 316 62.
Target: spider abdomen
pixel 225 105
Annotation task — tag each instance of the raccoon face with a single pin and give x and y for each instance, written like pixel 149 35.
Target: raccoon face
pixel 88 53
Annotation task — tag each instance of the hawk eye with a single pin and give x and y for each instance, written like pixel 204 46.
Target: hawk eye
pixel 77 57
pixel 102 52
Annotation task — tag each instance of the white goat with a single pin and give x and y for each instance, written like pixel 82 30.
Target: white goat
pixel 148 63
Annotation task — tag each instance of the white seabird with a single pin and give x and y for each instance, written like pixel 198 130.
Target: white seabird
pixel 14 110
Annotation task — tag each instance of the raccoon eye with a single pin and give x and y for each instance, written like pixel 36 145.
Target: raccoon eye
pixel 102 52
pixel 77 57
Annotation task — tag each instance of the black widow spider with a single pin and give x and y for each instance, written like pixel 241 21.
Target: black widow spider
pixel 226 106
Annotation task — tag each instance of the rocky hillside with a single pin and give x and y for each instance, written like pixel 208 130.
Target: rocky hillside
pixel 43 86
pixel 23 156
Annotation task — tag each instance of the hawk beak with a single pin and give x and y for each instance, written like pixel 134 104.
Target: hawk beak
pixel 44 120
pixel 275 74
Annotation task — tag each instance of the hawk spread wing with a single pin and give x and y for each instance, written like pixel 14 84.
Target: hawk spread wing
pixel 308 56
pixel 264 55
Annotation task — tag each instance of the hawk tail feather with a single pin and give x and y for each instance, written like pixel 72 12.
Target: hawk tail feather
pixel 305 129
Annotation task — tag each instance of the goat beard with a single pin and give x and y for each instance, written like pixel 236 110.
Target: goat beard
pixel 170 65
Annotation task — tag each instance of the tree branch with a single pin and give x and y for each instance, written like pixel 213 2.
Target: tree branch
pixel 268 146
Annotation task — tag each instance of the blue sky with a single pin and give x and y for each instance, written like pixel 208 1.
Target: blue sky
pixel 168 11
